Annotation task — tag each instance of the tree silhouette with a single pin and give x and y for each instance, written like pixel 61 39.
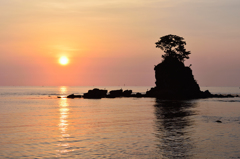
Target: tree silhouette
pixel 173 46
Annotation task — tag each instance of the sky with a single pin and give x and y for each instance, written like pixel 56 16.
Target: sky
pixel 112 42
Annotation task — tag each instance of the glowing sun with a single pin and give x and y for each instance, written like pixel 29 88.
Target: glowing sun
pixel 63 60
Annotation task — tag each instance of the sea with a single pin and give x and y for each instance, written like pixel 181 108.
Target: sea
pixel 34 123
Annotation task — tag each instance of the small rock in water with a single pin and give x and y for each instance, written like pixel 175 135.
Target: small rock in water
pixel 116 93
pixel 219 121
pixel 95 93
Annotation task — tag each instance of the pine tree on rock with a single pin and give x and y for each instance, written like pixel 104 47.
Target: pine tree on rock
pixel 173 46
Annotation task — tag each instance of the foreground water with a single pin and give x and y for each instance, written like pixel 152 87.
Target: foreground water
pixel 36 124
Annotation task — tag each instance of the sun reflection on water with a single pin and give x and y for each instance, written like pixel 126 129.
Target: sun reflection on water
pixel 63 124
pixel 64 111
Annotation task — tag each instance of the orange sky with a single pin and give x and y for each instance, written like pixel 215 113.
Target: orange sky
pixel 113 42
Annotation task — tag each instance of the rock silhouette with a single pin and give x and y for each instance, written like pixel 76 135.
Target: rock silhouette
pixel 119 93
pixel 95 93
pixel 127 93
pixel 116 93
pixel 173 78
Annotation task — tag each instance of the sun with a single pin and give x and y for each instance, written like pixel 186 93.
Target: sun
pixel 63 60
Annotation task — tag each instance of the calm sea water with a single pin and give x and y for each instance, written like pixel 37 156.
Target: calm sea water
pixel 37 124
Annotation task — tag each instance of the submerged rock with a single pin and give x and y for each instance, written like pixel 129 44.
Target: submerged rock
pixel 74 96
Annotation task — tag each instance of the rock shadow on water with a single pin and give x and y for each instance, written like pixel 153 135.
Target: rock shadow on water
pixel 174 128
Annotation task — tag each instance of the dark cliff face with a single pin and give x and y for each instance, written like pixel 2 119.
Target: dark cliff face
pixel 175 80
pixel 171 74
